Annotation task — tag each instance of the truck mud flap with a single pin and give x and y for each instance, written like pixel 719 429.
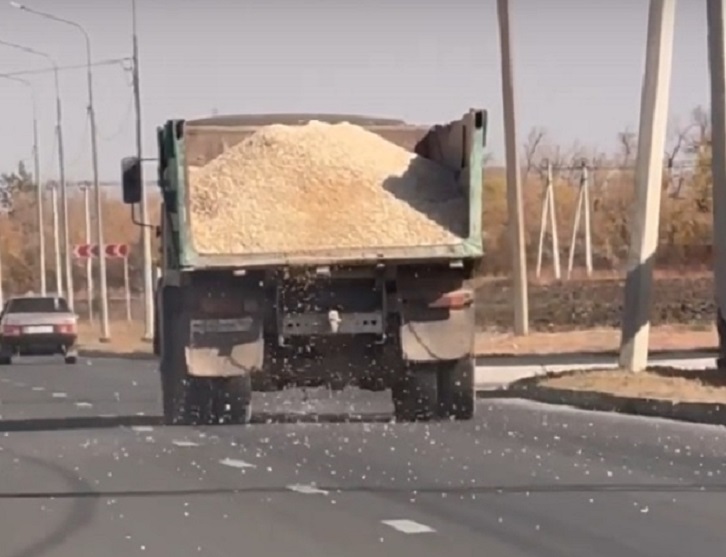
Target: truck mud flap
pixel 428 335
pixel 225 347
pixel 437 317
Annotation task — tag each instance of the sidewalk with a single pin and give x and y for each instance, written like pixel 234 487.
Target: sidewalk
pixel 497 372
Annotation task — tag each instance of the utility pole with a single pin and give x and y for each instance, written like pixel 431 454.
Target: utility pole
pixel 515 207
pixel 89 240
pixel 648 185
pixel 39 206
pixel 145 235
pixel 717 69
pixel 56 241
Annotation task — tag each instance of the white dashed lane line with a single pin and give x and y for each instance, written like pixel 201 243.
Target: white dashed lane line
pixel 233 463
pixel 59 395
pixel 142 428
pixel 184 443
pixel 408 526
pixel 38 389
pixel 307 489
pixel 84 405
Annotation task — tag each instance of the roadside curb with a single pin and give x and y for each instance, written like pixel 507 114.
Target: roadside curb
pixel 691 412
pixel 101 355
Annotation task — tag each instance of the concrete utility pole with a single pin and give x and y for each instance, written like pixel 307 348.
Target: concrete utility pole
pixel 717 66
pixel 145 235
pixel 515 207
pixel 648 185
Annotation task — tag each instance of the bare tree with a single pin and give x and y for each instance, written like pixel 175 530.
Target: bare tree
pixel 678 144
pixel 532 146
pixel 628 143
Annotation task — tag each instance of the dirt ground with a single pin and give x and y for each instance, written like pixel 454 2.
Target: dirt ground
pixel 707 386
pixel 126 338
pixel 596 303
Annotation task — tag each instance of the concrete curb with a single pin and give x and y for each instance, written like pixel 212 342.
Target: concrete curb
pixel 101 355
pixel 691 412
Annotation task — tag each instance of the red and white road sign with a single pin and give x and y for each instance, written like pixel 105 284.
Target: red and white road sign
pixel 111 251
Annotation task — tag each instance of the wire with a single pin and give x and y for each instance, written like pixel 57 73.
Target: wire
pixel 107 62
pixel 611 167
pixel 121 127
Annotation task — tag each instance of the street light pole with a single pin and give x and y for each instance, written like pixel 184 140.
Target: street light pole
pixel 105 330
pixel 38 185
pixel 145 236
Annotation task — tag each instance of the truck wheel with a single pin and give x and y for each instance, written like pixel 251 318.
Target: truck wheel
pixel 457 396
pixel 721 330
pixel 231 400
pixel 374 384
pixel 156 345
pixel 185 399
pixel 415 395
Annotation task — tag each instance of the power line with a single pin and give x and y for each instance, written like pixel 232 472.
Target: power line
pixel 107 62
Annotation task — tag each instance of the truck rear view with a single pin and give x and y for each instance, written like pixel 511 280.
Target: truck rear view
pixel 317 250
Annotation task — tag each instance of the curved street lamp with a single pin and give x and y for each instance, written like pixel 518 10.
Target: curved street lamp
pixel 105 332
pixel 63 236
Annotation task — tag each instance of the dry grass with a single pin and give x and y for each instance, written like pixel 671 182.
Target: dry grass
pixel 706 386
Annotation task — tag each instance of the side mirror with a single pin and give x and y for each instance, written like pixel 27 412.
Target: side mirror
pixel 131 180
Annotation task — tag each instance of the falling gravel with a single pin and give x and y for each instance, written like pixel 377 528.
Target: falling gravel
pixel 322 187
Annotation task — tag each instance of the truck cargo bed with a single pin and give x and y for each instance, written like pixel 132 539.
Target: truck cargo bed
pixel 301 234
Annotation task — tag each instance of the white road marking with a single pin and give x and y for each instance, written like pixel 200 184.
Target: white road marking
pixel 231 462
pixel 183 443
pixel 60 395
pixel 307 489
pixel 408 526
pixel 84 405
pixel 142 428
pixel 38 389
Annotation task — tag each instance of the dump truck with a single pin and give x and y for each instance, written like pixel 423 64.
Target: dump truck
pixel 398 318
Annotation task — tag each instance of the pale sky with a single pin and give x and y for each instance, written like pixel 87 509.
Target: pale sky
pixel 578 67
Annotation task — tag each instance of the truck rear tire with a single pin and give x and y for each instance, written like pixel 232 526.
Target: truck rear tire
pixel 191 400
pixel 231 400
pixel 457 395
pixel 415 394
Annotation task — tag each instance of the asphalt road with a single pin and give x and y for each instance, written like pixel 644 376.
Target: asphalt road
pixel 86 470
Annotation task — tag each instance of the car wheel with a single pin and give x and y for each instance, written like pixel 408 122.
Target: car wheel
pixel 5 357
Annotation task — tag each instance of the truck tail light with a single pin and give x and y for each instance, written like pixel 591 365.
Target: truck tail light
pixel 12 330
pixel 458 299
